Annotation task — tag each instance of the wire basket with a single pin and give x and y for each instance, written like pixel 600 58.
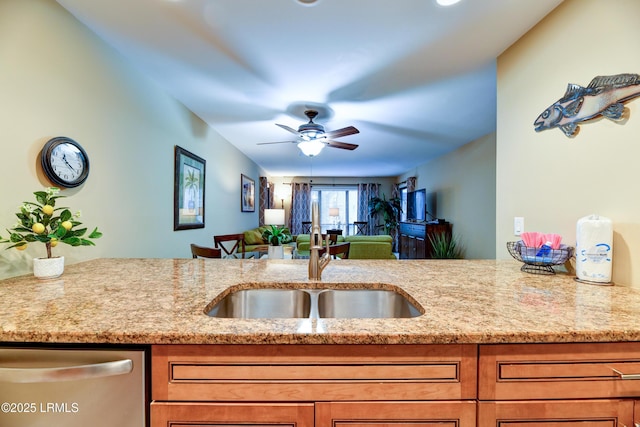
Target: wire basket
pixel 539 260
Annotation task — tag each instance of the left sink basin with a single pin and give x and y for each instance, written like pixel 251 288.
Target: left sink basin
pixel 263 304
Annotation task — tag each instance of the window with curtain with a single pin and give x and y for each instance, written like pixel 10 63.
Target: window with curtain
pixel 338 206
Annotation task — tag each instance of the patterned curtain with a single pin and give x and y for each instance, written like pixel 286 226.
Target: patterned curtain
pixel 411 184
pixel 265 192
pixel 365 192
pixel 300 206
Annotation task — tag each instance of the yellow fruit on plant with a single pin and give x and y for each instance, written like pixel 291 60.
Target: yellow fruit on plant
pixel 66 225
pixel 47 210
pixel 22 247
pixel 38 228
pixel 53 242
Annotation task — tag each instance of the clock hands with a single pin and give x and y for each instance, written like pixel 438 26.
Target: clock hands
pixel 64 157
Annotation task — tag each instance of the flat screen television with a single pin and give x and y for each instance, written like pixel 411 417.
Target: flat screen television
pixel 417 205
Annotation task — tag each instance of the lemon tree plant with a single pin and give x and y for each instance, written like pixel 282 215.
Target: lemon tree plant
pixel 43 222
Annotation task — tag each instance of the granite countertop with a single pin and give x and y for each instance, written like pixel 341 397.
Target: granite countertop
pixel 162 301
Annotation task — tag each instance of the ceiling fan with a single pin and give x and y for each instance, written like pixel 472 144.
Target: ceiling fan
pixel 312 137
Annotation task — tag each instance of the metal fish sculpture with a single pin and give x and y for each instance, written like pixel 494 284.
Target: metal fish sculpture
pixel 604 96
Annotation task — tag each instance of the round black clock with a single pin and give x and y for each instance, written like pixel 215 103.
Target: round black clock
pixel 65 162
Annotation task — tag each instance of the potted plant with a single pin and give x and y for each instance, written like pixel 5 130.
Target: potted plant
pixel 42 222
pixel 445 246
pixel 389 209
pixel 275 236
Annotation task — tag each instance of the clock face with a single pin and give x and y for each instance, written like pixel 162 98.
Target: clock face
pixel 65 162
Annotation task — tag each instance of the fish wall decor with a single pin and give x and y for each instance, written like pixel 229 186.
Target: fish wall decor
pixel 604 96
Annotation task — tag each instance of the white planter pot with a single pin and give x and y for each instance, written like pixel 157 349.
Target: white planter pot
pixel 48 268
pixel 276 252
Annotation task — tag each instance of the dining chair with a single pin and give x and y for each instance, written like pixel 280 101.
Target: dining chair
pixel 232 245
pixel 204 252
pixel 333 239
pixel 362 227
pixel 306 227
pixel 341 250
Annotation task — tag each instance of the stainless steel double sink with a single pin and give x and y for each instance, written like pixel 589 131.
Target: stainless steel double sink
pixel 271 303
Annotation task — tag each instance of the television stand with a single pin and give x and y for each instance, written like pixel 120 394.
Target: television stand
pixel 414 241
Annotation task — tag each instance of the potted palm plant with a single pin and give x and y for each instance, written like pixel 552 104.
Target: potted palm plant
pixel 388 209
pixel 42 222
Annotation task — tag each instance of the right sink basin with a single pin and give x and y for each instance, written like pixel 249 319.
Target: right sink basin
pixel 364 303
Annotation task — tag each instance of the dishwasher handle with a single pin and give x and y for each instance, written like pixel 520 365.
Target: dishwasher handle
pixel 67 373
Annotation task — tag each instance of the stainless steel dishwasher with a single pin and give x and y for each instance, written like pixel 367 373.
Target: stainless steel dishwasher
pixel 72 387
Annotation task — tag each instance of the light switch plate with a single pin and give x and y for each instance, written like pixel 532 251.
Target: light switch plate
pixel 518 225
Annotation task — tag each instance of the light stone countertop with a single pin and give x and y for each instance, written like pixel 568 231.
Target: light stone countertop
pixel 162 301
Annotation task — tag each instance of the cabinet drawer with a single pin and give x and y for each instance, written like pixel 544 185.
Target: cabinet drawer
pixel 558 371
pixel 413 229
pixel 313 372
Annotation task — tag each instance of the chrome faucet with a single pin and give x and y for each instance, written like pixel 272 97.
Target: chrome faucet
pixel 317 263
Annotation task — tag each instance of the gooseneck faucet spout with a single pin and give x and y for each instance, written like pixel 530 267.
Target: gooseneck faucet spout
pixel 317 263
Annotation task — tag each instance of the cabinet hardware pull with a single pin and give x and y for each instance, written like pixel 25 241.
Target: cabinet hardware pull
pixel 627 377
pixel 66 373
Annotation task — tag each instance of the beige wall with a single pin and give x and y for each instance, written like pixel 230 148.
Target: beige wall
pixel 550 179
pixel 463 183
pixel 59 79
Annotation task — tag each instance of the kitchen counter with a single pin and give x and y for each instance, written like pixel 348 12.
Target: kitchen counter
pixel 162 301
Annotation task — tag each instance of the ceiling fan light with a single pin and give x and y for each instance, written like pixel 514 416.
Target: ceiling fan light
pixel 310 148
pixel 308 135
pixel 447 2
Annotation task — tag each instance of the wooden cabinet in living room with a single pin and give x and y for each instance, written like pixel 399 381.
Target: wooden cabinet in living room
pixel 414 238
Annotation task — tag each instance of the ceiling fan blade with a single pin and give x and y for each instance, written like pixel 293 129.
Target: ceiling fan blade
pixel 349 130
pixel 276 142
pixel 343 145
pixel 287 128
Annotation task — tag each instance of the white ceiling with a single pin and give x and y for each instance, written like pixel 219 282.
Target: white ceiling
pixel 417 79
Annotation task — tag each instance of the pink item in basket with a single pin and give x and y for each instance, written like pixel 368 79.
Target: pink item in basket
pixel 533 239
pixel 553 240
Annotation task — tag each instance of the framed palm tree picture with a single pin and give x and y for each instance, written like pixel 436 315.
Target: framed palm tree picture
pixel 247 194
pixel 188 190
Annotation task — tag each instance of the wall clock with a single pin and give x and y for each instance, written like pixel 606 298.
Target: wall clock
pixel 65 162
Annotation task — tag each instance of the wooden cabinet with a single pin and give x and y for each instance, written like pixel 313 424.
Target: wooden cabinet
pixel 503 385
pixel 558 384
pixel 218 384
pixel 414 240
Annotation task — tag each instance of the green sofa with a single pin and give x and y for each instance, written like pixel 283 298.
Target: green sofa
pixel 362 247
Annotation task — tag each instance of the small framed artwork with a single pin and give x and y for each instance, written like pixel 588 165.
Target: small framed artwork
pixel 247 194
pixel 188 190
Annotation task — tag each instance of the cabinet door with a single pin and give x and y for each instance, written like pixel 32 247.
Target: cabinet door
pixel 557 413
pixel 396 414
pixel 421 248
pixel 167 414
pixel 405 246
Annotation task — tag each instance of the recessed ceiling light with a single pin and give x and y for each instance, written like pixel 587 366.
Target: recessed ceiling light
pixel 447 2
